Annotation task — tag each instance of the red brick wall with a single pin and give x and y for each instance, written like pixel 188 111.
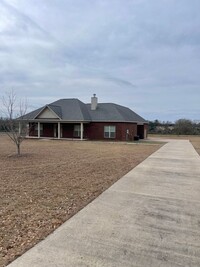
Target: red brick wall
pixel 95 131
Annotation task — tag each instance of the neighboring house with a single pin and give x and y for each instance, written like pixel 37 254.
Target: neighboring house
pixel 71 118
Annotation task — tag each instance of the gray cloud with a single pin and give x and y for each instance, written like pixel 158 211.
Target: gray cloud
pixel 142 54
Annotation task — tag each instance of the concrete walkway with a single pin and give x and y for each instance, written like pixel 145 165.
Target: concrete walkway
pixel 149 218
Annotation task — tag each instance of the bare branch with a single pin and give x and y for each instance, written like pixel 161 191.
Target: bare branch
pixel 15 128
pixel 23 107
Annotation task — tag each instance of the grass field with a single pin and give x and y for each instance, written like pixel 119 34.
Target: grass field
pixel 51 181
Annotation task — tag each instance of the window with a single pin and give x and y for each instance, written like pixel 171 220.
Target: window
pixel 77 130
pixel 109 131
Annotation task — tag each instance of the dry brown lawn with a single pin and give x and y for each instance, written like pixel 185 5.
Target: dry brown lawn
pixel 195 140
pixel 51 181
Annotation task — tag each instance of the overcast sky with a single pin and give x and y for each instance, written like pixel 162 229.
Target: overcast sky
pixel 143 54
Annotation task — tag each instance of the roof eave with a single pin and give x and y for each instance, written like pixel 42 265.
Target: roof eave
pixel 120 121
pixel 54 120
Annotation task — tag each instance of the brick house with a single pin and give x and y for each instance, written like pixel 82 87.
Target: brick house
pixel 71 118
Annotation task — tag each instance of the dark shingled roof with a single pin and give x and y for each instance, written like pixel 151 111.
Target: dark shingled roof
pixel 72 110
pixel 31 115
pixel 113 113
pixel 75 110
pixel 56 109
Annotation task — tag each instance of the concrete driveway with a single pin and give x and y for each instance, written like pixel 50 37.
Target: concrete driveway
pixel 150 217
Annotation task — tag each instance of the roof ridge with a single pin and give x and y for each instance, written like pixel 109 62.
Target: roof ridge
pixel 80 108
pixel 84 106
pixel 53 105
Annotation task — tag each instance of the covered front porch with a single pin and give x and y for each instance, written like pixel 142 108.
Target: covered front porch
pixel 57 130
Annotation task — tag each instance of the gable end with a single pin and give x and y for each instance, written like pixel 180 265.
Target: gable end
pixel 47 113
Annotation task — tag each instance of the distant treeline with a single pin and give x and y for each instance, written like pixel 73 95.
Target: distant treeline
pixel 180 127
pixel 4 124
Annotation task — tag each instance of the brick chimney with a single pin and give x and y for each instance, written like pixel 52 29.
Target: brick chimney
pixel 94 102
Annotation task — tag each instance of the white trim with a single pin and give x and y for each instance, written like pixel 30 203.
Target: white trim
pixel 54 130
pixel 58 130
pixel 81 131
pixel 38 129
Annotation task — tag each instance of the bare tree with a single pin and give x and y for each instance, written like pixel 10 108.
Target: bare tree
pixel 184 126
pixel 14 125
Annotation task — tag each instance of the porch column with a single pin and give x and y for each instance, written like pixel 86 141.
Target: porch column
pixel 81 131
pixel 38 129
pixel 58 130
pixel 145 133
pixel 20 128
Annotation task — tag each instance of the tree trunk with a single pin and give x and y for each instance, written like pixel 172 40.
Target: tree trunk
pixel 18 149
